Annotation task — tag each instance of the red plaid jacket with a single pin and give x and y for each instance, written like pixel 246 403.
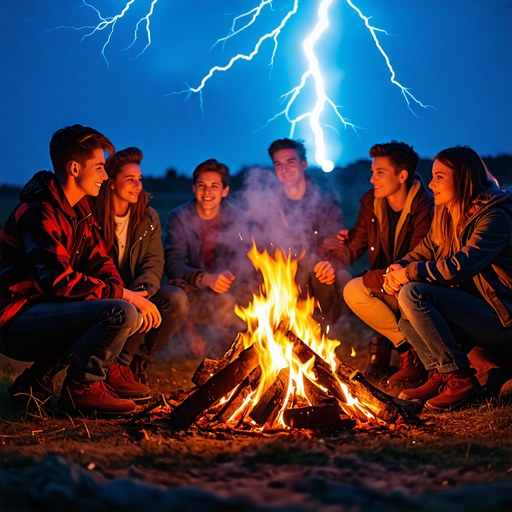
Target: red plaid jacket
pixel 51 252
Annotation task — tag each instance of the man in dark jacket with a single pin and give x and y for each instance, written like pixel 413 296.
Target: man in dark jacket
pixel 206 245
pixel 60 294
pixel 393 218
pixel 296 215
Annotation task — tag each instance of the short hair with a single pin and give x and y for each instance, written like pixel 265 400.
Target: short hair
pixel 297 145
pixel 77 143
pixel 126 156
pixel 401 157
pixel 212 165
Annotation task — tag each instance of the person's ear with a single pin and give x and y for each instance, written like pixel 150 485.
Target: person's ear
pixel 304 165
pixel 403 176
pixel 73 168
pixel 225 191
pixel 194 189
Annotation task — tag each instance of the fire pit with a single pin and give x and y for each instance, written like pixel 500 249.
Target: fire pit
pixel 282 372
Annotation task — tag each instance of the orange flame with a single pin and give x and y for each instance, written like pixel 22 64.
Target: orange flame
pixel 353 353
pixel 279 302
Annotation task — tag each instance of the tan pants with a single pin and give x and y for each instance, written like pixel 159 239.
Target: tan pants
pixel 380 312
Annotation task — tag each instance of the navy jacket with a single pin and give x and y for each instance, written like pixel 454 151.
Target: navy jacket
pixel 485 255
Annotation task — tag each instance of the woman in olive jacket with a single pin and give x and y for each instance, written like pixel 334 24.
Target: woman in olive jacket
pixel 133 237
pixel 455 288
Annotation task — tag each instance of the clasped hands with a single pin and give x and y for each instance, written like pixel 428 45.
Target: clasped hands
pixel 394 279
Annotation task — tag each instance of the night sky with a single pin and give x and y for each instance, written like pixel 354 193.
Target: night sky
pixel 452 54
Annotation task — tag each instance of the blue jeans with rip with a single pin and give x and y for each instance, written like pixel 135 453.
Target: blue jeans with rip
pixel 443 324
pixel 90 334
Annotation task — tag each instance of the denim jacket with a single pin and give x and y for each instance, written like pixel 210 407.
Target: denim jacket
pixel 485 255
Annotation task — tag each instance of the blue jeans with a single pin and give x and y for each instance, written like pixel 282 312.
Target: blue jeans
pixel 443 324
pixel 90 333
pixel 173 305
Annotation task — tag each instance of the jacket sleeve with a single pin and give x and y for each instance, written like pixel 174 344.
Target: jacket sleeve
pixel 489 238
pixel 43 244
pixel 149 270
pixel 177 262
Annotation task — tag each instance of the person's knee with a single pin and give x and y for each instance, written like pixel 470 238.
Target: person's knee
pixel 172 298
pixel 408 295
pixel 125 314
pixel 355 292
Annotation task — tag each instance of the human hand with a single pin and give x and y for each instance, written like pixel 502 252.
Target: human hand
pixel 141 291
pixel 394 280
pixel 324 272
pixel 219 283
pixel 151 318
pixel 342 236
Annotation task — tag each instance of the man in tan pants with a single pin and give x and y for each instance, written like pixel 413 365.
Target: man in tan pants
pixel 393 218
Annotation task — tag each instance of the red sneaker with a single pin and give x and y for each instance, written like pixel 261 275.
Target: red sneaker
pixel 460 387
pixel 430 389
pixel 92 397
pixel 411 372
pixel 139 368
pixel 120 378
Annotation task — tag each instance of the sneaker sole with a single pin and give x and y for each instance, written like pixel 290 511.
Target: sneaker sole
pixel 473 398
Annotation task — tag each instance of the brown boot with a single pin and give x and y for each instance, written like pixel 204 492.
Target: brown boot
pixel 460 387
pixel 120 378
pixel 139 368
pixel 380 355
pixel 430 389
pixel 92 397
pixel 412 370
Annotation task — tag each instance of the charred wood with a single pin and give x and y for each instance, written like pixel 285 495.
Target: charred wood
pixel 209 367
pixel 317 418
pixel 214 389
pixel 268 405
pixel 249 384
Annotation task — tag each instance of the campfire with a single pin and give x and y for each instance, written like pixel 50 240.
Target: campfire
pixel 282 372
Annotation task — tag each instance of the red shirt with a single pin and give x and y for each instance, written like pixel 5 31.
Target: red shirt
pixel 208 230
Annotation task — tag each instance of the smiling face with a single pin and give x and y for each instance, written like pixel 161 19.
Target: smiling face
pixel 442 184
pixel 127 186
pixel 289 167
pixel 90 176
pixel 209 192
pixel 386 182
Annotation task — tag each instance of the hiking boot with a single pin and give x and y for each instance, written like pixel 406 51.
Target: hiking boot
pixel 120 378
pixel 92 397
pixel 380 355
pixel 27 389
pixel 411 372
pixel 430 389
pixel 139 368
pixel 460 387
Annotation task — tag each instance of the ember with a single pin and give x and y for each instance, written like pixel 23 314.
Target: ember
pixel 283 372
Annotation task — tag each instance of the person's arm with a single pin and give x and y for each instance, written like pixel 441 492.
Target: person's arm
pixel 149 270
pixel 177 258
pixel 489 238
pixel 44 246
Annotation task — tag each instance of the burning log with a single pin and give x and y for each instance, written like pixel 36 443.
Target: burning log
pixel 268 405
pixel 249 384
pixel 317 418
pixel 374 398
pixel 382 405
pixel 214 389
pixel 315 395
pixel 209 367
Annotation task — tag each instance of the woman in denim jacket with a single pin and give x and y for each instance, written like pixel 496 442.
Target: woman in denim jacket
pixel 455 288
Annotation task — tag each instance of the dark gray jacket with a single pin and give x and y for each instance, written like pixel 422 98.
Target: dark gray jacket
pixel 183 245
pixel 485 255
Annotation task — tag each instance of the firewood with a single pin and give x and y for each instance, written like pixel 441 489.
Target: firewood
pixel 317 418
pixel 209 367
pixel 214 389
pixel 315 395
pixel 249 384
pixel 271 399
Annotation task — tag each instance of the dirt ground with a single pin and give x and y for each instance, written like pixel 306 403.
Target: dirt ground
pixel 457 461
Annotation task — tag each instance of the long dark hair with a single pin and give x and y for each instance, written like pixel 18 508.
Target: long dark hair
pixel 471 181
pixel 104 211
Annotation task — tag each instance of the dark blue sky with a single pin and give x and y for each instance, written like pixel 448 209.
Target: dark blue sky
pixel 452 54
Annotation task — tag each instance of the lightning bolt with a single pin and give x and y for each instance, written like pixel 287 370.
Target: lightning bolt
pixel 289 98
pixel 111 22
